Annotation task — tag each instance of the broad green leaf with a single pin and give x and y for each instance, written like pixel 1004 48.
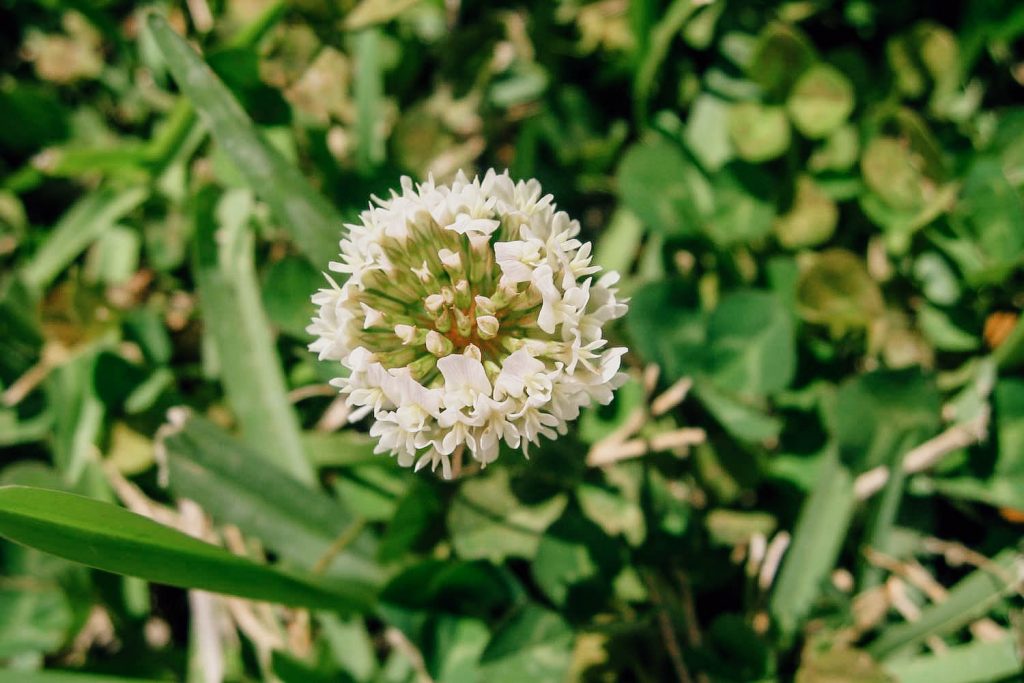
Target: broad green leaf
pixel 989 216
pixel 968 600
pixel 879 416
pixel 617 246
pixel 877 411
pixel 810 220
pixel 744 420
pixel 83 224
pixel 667 327
pixel 836 290
pixel 1000 483
pixel 751 344
pixel 110 538
pixel 759 133
pixel 744 206
pixel 781 55
pixel 312 221
pixel 938 280
pixel 838 152
pixel 459 642
pixel 944 334
pixel 575 563
pixel 534 644
pixel 817 540
pixel 350 644
pixel 486 520
pixel 430 588
pixel 232 483
pixel 894 173
pixel 239 331
pixel 708 131
pixel 975 662
pixel 820 101
pixel 287 287
pixel 658 184
pixel 33 619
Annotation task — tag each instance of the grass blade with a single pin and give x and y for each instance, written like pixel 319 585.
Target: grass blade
pixel 969 599
pixel 249 365
pixel 817 540
pixel 977 662
pixel 209 466
pixel 21 676
pixel 111 538
pixel 368 91
pixel 80 226
pixel 310 219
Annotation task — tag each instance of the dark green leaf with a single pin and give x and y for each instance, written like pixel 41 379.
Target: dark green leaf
pixel 311 220
pixel 108 537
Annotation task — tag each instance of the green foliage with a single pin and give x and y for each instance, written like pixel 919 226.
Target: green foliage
pixel 817 210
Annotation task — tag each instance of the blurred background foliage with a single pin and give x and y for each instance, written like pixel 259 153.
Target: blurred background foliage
pixel 816 472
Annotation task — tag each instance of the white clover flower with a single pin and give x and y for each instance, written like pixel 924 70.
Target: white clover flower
pixel 468 318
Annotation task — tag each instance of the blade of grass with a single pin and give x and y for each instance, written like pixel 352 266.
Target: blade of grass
pixel 209 466
pixel 977 662
pixel 657 49
pixel 310 219
pixel 78 228
pixel 22 676
pixel 817 540
pixel 969 599
pixel 113 539
pixel 368 86
pixel 883 516
pixel 250 368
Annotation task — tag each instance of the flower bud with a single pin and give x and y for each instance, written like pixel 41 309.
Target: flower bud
pixel 487 326
pixel 438 344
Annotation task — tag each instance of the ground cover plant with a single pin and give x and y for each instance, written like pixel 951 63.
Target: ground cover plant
pixel 813 469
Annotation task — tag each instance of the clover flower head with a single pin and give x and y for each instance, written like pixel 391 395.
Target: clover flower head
pixel 470 316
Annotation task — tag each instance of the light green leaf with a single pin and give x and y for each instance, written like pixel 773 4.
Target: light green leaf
pixel 810 220
pixel 239 331
pixel 486 520
pixel 836 290
pixel 780 55
pixel 287 286
pixel 113 539
pixel 759 133
pixel 312 221
pixel 820 101
pixel 751 343
pixel 534 645
pixel 658 184
pixel 976 662
pixel 708 131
